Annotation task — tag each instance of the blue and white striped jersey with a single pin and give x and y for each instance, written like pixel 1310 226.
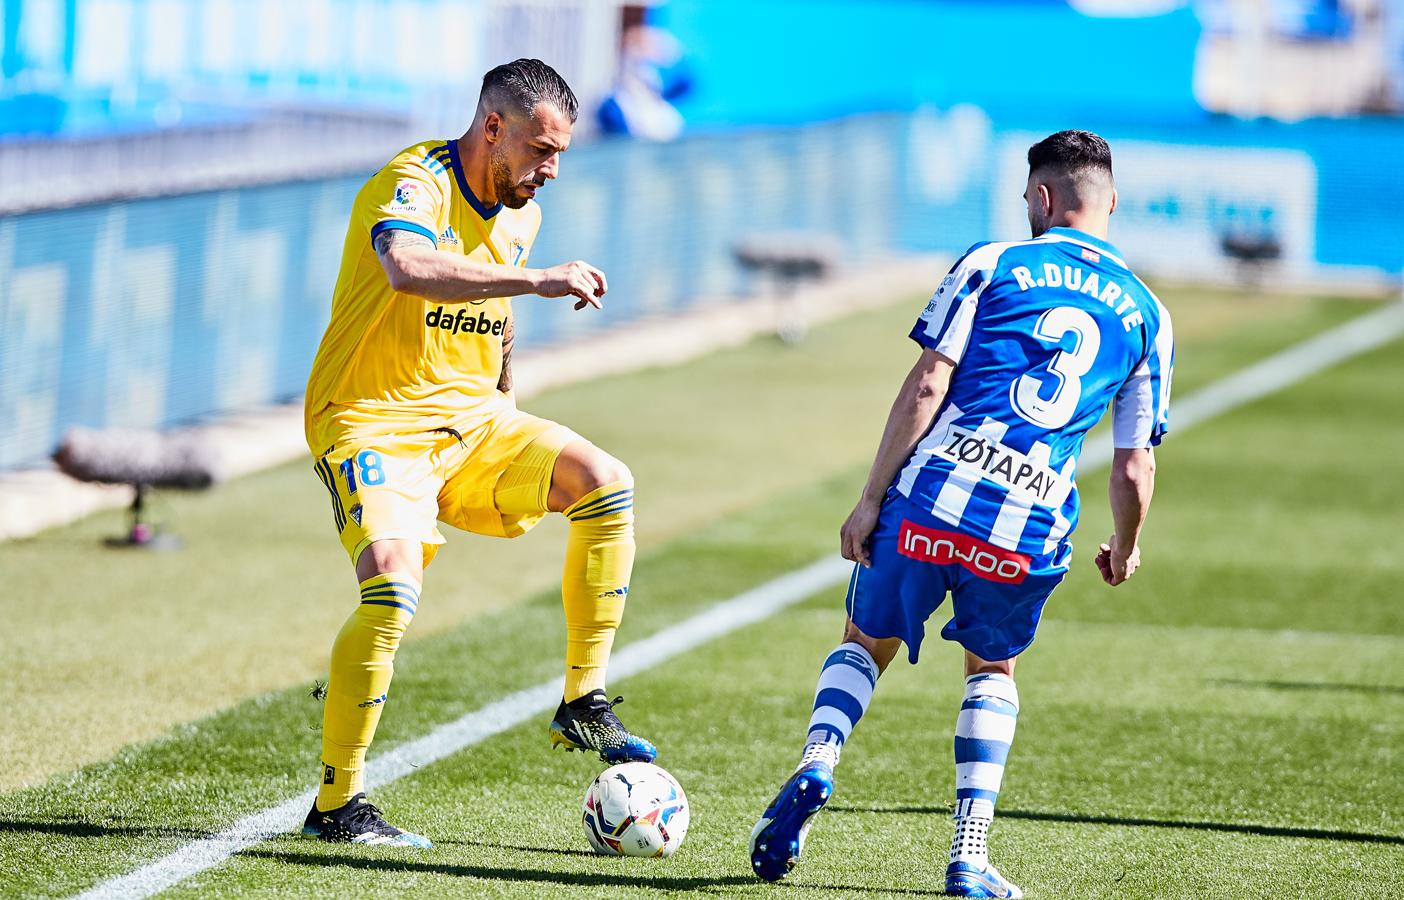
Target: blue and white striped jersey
pixel 1045 333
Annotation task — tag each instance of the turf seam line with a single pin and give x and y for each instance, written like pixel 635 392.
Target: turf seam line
pixel 1259 380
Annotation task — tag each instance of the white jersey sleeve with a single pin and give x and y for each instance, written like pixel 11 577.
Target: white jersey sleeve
pixel 945 324
pixel 1141 408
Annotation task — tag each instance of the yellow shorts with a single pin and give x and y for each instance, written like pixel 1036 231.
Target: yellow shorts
pixel 399 486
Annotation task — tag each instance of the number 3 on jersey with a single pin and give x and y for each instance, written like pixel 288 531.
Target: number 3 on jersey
pixel 1066 368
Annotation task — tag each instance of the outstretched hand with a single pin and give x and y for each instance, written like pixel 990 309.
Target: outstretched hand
pixel 574 279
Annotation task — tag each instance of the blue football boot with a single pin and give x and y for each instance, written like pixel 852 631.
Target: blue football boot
pixel 778 838
pixel 965 879
pixel 589 723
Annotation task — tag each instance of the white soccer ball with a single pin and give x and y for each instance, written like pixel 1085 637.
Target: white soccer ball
pixel 635 809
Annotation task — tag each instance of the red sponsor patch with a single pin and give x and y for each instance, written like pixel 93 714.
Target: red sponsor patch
pixel 946 547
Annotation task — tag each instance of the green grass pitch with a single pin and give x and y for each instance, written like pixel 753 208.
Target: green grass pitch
pixel 1226 725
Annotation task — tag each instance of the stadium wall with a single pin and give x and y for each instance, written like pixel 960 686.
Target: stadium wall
pixel 783 62
pixel 148 313
pixel 83 67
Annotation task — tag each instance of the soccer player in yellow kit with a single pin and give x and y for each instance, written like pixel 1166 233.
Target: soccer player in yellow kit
pixel 411 419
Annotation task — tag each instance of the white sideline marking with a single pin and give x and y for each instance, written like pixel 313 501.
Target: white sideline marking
pixel 1281 370
pixel 1259 380
pixel 479 725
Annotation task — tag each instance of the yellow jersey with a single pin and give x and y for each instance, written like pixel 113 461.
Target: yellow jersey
pixel 392 363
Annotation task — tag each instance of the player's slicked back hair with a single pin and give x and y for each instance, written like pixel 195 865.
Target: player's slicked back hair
pixel 523 83
pixel 1072 153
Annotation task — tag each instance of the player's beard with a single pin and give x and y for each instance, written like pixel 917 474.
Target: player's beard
pixel 1037 223
pixel 503 183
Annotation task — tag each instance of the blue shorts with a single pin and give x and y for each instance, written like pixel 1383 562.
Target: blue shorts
pixel 997 596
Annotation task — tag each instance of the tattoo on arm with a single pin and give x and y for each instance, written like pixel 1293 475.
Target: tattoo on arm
pixel 504 383
pixel 399 237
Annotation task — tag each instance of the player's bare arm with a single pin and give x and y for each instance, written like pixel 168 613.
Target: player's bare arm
pixel 912 414
pixel 509 338
pixel 414 266
pixel 986 433
pixel 1132 483
pixel 399 460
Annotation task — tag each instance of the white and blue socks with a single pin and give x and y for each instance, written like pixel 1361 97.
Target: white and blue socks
pixel 984 732
pixel 845 687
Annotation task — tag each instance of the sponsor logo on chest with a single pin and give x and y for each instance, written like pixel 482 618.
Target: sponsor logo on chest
pixel 462 321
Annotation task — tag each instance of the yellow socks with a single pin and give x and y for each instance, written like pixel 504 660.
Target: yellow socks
pixel 599 559
pixel 598 562
pixel 362 663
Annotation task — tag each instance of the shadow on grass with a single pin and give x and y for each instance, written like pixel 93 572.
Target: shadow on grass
pixel 580 879
pixel 1308 686
pixel 80 828
pixel 463 870
pixel 489 845
pixel 1230 827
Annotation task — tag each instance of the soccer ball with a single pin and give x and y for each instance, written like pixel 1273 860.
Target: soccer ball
pixel 635 809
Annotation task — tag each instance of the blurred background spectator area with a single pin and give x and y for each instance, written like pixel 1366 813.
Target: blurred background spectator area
pixel 106 98
pixel 175 175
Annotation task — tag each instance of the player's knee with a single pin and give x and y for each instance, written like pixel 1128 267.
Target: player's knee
pixel 601 470
pixel 974 665
pixel 583 469
pixel 618 473
pixel 882 650
pixel 381 557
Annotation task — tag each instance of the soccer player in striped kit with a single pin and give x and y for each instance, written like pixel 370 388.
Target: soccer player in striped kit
pixel 972 492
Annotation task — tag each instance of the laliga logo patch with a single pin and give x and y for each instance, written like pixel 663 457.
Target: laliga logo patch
pixel 940 292
pixel 405 193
